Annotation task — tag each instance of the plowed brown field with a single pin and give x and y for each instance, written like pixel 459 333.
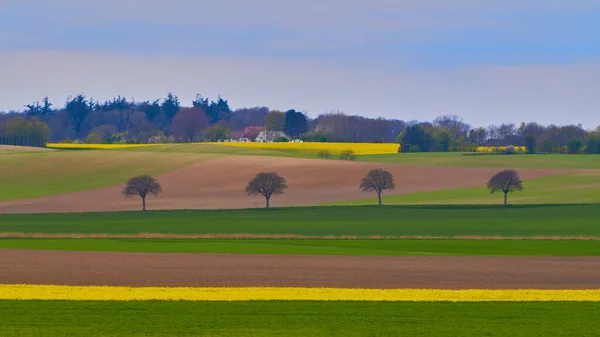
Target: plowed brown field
pixel 219 184
pixel 13 149
pixel 224 270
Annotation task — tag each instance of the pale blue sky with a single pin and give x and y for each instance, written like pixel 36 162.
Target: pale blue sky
pixel 487 61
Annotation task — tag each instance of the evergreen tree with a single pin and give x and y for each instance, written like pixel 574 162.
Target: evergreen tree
pixel 295 123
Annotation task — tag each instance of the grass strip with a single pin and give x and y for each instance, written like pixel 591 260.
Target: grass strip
pixel 530 220
pixel 319 247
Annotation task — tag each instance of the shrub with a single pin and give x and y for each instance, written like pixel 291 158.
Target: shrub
pixel 348 155
pixel 315 137
pixel 281 140
pixel 216 133
pixel 574 145
pixel 324 154
pixel 509 150
pixel 94 138
pixel 414 148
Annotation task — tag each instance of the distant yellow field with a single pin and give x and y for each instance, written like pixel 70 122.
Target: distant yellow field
pixel 95 293
pixel 334 148
pixel 95 146
pixel 499 148
pixel 304 147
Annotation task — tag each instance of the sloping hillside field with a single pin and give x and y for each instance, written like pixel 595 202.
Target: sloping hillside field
pixel 204 177
pixel 441 258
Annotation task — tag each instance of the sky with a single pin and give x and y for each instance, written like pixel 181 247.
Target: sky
pixel 486 61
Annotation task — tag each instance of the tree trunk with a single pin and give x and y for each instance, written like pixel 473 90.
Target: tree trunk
pixel 505 199
pixel 379 197
pixel 267 202
pixel 143 203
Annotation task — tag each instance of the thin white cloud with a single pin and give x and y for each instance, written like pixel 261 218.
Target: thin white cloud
pixel 481 94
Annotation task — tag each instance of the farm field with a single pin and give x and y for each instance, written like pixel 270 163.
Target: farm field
pixel 300 149
pixel 222 271
pixel 209 182
pixel 559 189
pixel 34 174
pixel 299 318
pixel 497 161
pixel 420 159
pixel 320 247
pixel 80 231
pixel 194 148
pixel 59 181
pixel 447 221
pixel 10 149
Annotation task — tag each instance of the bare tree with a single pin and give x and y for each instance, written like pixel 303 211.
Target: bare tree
pixel 506 181
pixel 266 184
pixel 377 180
pixel 143 186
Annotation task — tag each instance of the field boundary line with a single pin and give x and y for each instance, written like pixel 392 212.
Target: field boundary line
pixel 248 236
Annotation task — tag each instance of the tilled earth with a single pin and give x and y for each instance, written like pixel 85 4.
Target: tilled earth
pixel 229 270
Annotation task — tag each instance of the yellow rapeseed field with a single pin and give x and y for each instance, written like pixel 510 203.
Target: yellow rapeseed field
pixel 499 148
pixel 95 146
pixel 304 147
pixel 310 147
pixel 95 293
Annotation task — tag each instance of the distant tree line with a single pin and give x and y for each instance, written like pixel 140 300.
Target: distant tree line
pixel 24 132
pixel 451 133
pixel 120 120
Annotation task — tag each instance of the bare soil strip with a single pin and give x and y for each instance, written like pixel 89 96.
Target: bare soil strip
pixel 15 149
pixel 224 270
pixel 248 236
pixel 219 184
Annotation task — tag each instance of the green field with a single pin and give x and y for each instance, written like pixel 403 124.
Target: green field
pixel 530 220
pixel 305 318
pixel 428 158
pixel 560 189
pixel 489 160
pixel 28 175
pixel 320 247
pixel 219 149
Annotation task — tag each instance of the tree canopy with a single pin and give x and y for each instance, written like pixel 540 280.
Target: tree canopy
pixel 143 186
pixel 377 180
pixel 295 123
pixel 274 121
pixel 505 181
pixel 266 184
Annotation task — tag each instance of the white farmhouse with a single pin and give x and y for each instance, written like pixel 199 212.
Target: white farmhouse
pixel 270 136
